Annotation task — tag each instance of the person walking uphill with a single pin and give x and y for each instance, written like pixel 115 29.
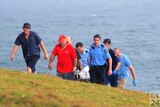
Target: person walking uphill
pixel 30 43
pixel 79 62
pixel 98 55
pixel 123 70
pixel 67 58
pixel 84 53
pixel 113 79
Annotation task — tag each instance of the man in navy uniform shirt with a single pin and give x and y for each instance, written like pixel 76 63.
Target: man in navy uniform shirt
pixel 99 54
pixel 113 79
pixel 30 43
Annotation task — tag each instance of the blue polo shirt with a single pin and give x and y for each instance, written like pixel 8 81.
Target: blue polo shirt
pixel 29 46
pixel 123 70
pixel 85 58
pixel 98 55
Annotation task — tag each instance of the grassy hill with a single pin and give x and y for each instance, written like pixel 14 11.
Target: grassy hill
pixel 18 89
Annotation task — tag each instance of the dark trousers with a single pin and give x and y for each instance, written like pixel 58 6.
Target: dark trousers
pixel 113 80
pixel 32 61
pixel 68 76
pixel 98 75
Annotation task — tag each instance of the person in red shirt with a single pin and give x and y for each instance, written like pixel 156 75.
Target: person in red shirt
pixel 67 59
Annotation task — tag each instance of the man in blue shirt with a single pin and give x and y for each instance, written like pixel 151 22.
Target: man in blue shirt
pixel 84 53
pixel 30 43
pixel 113 79
pixel 98 54
pixel 123 73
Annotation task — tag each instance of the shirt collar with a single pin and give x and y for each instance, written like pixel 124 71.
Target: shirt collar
pixel 98 45
pixel 84 51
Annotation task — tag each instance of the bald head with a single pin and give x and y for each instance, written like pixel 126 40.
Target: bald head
pixel 117 52
pixel 69 40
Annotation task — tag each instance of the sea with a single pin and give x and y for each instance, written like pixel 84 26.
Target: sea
pixel 132 25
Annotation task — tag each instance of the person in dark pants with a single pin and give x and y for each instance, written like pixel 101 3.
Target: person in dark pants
pixel 67 59
pixel 30 43
pixel 79 62
pixel 113 79
pixel 98 55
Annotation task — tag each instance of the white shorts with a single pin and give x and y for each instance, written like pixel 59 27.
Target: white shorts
pixel 84 74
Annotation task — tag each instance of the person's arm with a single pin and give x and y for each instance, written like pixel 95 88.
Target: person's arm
pixel 131 69
pixel 132 72
pixel 14 50
pixel 118 66
pixel 133 75
pixel 109 66
pixel 89 63
pixel 51 59
pixel 74 64
pixel 80 65
pixel 44 50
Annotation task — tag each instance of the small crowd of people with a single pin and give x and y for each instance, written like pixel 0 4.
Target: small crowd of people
pixel 100 64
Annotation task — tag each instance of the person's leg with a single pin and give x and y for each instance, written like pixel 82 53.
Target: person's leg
pixel 60 75
pixel 93 77
pixel 68 76
pixel 121 83
pixel 107 80
pixel 28 69
pixel 32 62
pixel 102 76
pixel 113 80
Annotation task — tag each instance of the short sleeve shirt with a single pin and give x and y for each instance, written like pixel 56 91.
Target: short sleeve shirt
pixel 85 58
pixel 29 46
pixel 66 58
pixel 125 63
pixel 98 55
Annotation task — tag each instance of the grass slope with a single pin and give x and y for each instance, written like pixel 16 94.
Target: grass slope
pixel 18 89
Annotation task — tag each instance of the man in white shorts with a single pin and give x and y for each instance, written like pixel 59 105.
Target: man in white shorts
pixel 84 53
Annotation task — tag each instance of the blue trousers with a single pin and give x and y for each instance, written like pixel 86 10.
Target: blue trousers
pixel 113 80
pixel 31 62
pixel 67 76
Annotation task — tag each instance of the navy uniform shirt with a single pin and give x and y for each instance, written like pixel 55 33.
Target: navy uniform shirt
pixel 115 59
pixel 98 55
pixel 29 46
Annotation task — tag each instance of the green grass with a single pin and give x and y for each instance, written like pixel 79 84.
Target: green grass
pixel 18 89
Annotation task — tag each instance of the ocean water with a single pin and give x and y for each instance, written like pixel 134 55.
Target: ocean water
pixel 133 26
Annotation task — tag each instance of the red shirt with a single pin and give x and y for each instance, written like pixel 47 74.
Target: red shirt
pixel 66 58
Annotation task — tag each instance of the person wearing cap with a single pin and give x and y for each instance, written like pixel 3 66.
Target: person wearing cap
pixel 84 53
pixel 123 73
pixel 113 79
pixel 31 44
pixel 99 56
pixel 67 59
